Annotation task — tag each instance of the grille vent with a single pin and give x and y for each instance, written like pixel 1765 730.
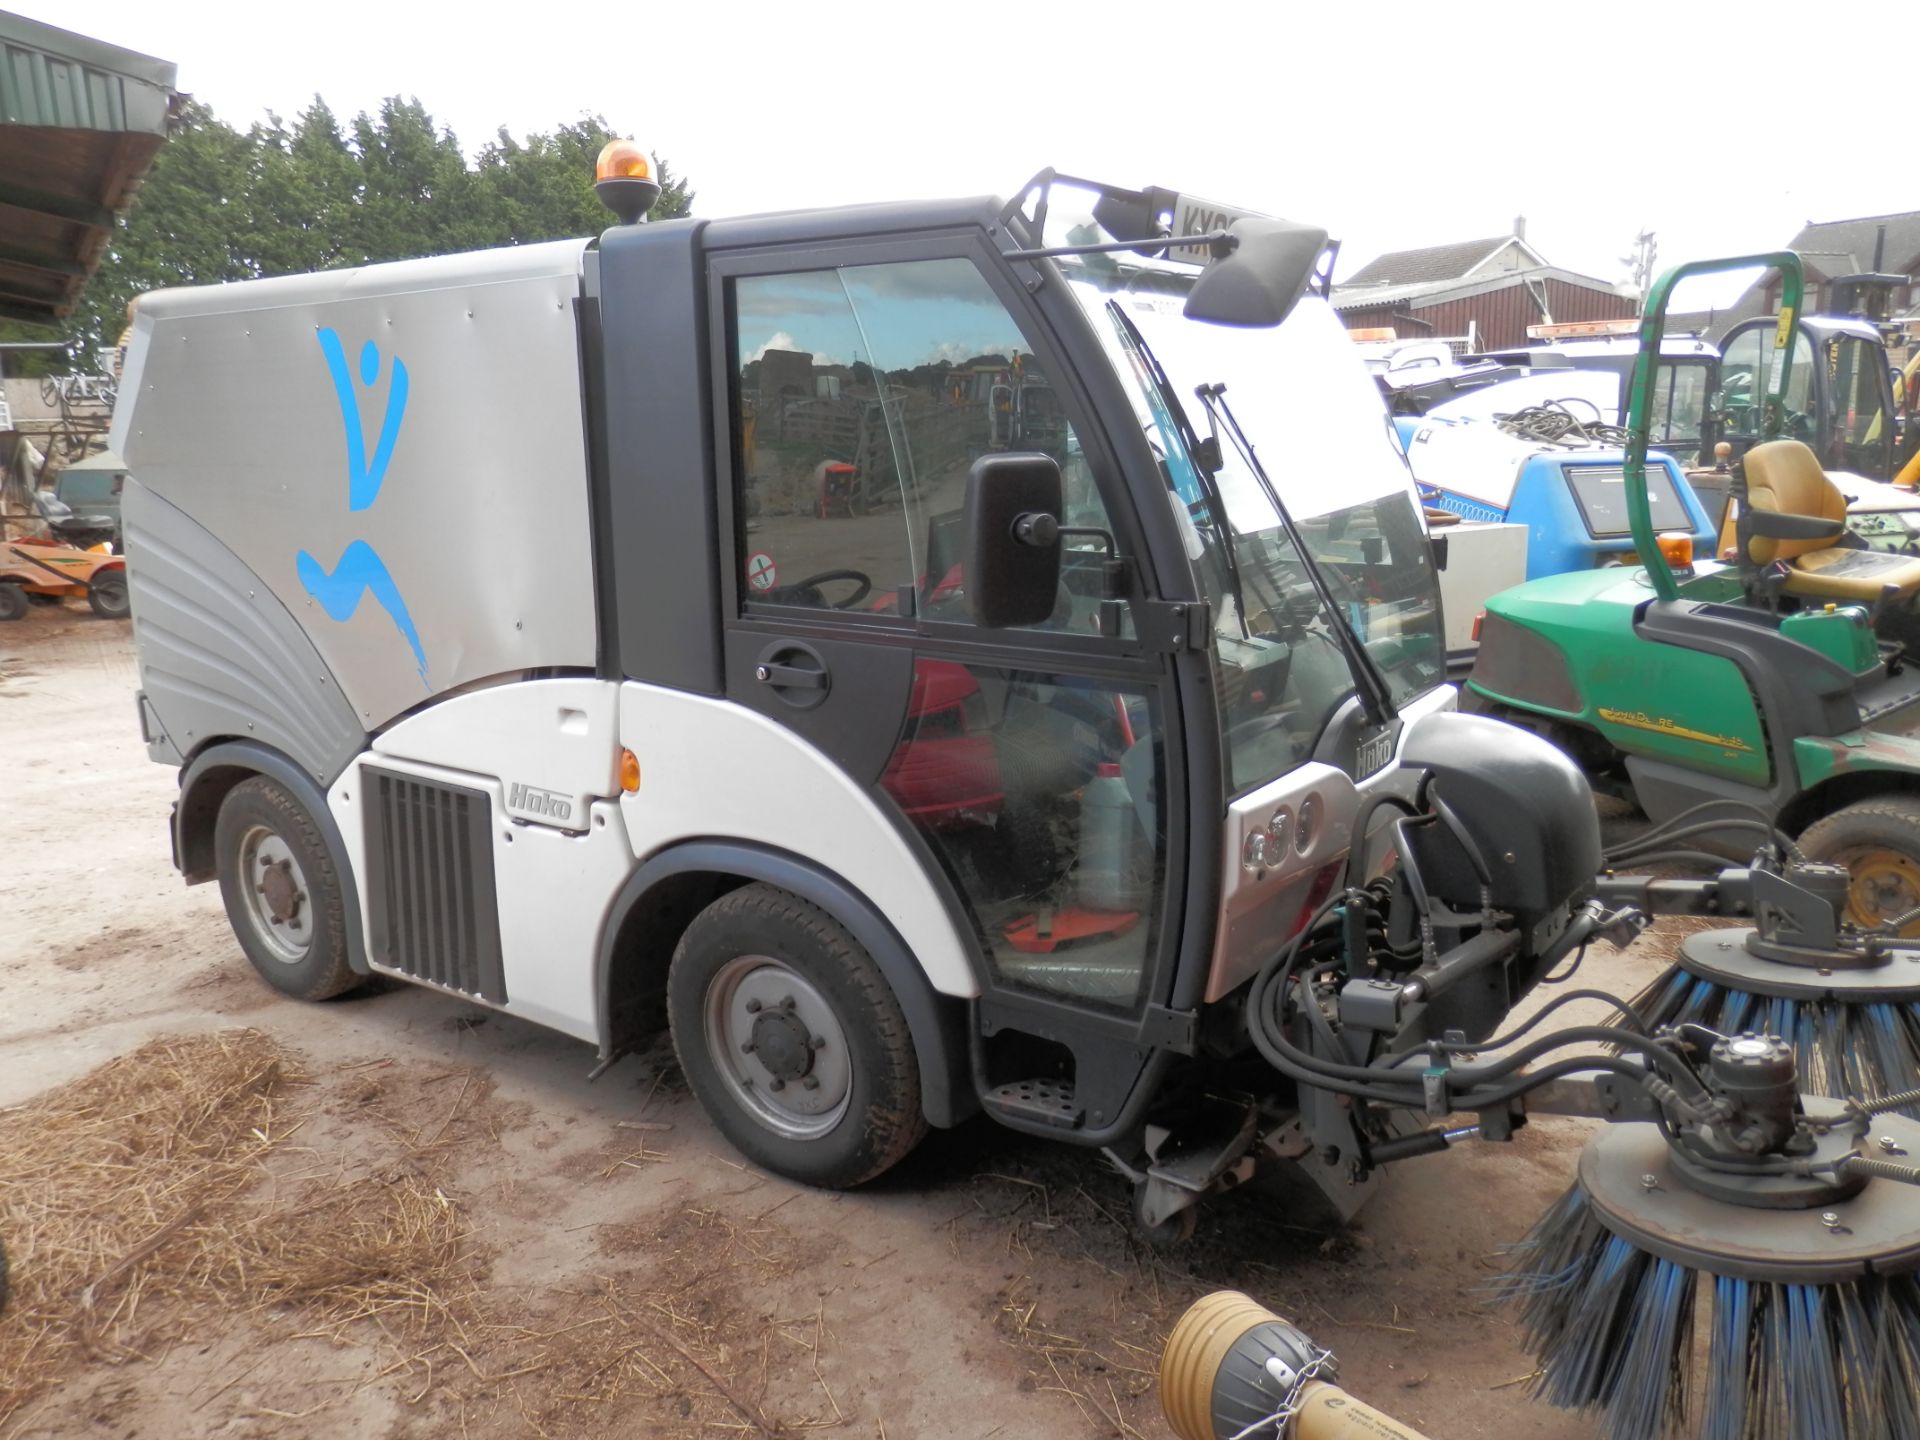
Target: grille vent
pixel 430 867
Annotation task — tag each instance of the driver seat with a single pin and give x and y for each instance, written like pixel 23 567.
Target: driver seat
pixel 1796 515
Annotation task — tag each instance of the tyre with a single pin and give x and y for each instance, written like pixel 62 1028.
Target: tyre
pixel 793 1040
pixel 282 891
pixel 1879 842
pixel 108 596
pixel 13 602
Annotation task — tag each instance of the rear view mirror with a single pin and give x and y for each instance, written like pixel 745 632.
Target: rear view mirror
pixel 1262 278
pixel 1011 565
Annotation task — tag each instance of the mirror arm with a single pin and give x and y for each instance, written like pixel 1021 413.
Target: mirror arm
pixel 1090 533
pixel 1219 241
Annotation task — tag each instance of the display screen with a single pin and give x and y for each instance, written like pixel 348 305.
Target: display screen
pixel 1602 493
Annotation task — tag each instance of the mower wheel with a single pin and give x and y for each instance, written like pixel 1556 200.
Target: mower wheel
pixel 1879 842
pixel 13 602
pixel 282 891
pixel 792 1039
pixel 108 596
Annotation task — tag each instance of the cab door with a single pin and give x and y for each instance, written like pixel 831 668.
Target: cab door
pixel 1037 771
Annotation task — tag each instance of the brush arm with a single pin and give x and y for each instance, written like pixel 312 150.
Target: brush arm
pixel 1593 1095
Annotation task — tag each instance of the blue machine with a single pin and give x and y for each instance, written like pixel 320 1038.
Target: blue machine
pixel 1571 498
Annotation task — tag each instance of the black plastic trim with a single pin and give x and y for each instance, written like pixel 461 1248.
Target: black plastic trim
pixel 662 530
pixel 248 755
pixel 593 400
pixel 936 1021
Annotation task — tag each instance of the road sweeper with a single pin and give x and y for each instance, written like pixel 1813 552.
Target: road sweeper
pixel 1111 788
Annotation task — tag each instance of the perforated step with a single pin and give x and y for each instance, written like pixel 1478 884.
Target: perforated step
pixel 1051 1102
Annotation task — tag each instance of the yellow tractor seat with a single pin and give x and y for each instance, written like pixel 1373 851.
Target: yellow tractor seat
pixel 1795 514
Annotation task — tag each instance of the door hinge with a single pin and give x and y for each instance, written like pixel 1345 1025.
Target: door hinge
pixel 1166 1029
pixel 1173 625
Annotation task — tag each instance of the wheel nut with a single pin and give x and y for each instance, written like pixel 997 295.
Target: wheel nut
pixel 776 1083
pixel 753 1007
pixel 817 1042
pixel 746 1047
pixel 787 1004
pixel 812 1082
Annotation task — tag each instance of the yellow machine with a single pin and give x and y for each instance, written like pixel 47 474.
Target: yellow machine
pixel 59 572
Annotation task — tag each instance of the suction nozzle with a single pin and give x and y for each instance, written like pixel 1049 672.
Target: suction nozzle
pixel 1232 1367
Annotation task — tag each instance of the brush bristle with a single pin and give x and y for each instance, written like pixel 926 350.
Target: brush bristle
pixel 1842 1050
pixel 1612 1329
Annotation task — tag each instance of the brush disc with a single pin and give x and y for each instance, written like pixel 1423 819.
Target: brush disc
pixel 1638 1190
pixel 1722 957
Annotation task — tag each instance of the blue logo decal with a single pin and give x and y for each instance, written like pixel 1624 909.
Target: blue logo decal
pixel 361 569
pixel 363 480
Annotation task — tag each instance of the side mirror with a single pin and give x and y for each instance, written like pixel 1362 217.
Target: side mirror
pixel 1262 278
pixel 1011 565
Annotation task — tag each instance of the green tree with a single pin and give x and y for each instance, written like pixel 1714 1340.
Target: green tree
pixel 277 199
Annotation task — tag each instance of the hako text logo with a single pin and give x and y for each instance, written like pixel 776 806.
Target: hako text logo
pixel 360 570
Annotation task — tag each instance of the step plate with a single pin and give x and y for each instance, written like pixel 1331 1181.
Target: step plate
pixel 1050 1102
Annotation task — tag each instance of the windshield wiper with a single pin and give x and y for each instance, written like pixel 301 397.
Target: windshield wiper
pixel 1215 501
pixel 1375 696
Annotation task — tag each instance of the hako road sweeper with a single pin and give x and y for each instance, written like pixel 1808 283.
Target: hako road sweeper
pixel 506 645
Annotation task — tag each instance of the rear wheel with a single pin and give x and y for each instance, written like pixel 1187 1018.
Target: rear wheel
pixel 107 594
pixel 793 1040
pixel 282 891
pixel 13 602
pixel 1879 843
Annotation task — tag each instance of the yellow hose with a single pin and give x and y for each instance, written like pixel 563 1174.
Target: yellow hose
pixel 1199 1344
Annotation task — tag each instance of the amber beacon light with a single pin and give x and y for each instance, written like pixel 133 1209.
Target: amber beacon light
pixel 623 178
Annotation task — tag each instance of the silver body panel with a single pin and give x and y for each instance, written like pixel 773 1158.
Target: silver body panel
pixel 1263 901
pixel 220 655
pixel 447 542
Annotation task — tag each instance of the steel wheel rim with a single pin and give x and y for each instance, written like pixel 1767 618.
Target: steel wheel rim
pixel 758 1015
pixel 1883 883
pixel 279 904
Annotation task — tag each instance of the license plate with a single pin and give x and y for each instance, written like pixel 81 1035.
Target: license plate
pixel 1195 216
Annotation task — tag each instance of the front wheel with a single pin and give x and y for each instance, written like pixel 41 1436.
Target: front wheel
pixel 108 596
pixel 13 602
pixel 792 1039
pixel 282 891
pixel 1879 843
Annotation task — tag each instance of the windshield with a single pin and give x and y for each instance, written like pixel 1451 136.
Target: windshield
pixel 1320 430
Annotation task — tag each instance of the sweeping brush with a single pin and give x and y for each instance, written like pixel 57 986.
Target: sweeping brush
pixel 1812 1316
pixel 1848 1003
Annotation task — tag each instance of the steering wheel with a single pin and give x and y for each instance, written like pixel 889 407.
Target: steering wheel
pixel 861 579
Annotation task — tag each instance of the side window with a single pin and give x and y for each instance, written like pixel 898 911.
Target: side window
pixel 865 395
pixel 821 504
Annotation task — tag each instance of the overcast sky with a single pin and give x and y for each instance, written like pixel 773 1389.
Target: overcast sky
pixel 1392 124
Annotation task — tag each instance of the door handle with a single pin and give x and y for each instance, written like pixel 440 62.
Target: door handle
pixel 795 672
pixel 790 677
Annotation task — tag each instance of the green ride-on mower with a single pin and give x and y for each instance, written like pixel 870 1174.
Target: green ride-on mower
pixel 1760 681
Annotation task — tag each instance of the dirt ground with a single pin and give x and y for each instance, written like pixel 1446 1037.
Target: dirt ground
pixel 602 1262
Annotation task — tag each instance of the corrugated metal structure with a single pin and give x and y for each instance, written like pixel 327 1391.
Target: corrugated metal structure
pixel 1495 310
pixel 80 123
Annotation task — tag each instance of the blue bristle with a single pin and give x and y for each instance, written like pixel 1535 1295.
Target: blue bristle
pixel 1729 1385
pixel 1612 1330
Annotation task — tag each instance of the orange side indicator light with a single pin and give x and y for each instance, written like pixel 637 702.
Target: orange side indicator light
pixel 1677 551
pixel 629 771
pixel 1478 620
